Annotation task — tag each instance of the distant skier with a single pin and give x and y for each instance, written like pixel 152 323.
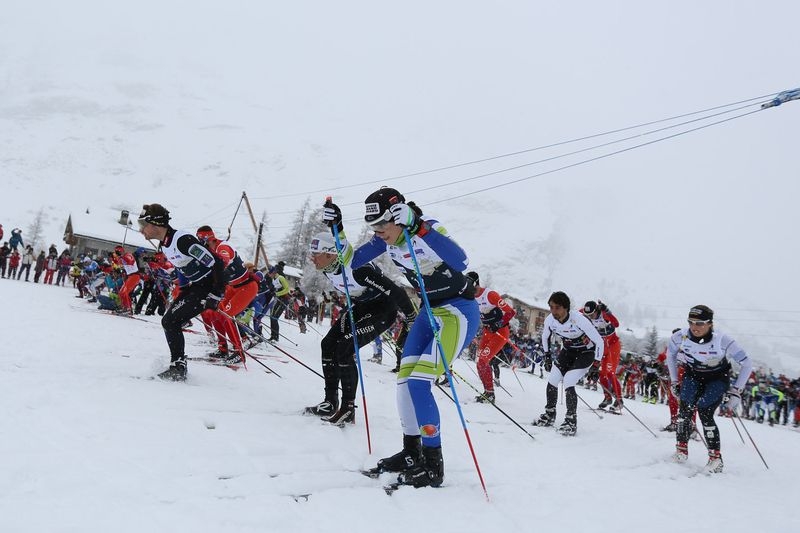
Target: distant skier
pixel 606 324
pixel 705 356
pixel 495 316
pixel 582 345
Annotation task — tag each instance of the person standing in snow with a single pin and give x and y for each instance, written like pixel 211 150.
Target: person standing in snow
pixel 202 272
pixel 16 239
pixel 41 261
pixel 705 356
pixel 581 346
pixel 451 295
pixel 13 264
pixel 495 316
pixel 5 251
pixel 375 301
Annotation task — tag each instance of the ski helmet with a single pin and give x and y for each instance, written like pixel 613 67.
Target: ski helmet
pixel 378 203
pixel 474 277
pixel 701 313
pixel 322 243
pixel 589 307
pixel 119 250
pixel 155 214
pixel 204 233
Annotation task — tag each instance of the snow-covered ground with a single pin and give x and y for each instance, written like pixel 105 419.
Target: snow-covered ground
pixel 90 445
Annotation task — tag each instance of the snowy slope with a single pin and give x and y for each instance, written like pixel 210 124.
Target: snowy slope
pixel 190 103
pixel 87 446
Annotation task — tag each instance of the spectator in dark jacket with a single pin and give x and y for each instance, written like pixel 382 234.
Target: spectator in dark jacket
pixel 4 253
pixel 41 260
pixel 16 238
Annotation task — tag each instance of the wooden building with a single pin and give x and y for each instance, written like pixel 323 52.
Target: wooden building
pixel 98 231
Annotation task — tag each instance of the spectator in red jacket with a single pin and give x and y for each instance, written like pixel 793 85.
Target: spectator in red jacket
pixel 13 264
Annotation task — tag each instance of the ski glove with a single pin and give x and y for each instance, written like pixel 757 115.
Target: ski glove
pixel 601 306
pixel 496 326
pixel 731 399
pixel 212 302
pixel 332 216
pixel 548 362
pixel 676 389
pixel 405 216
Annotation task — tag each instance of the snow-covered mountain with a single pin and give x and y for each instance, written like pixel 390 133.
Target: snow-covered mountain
pixel 191 103
pixel 90 445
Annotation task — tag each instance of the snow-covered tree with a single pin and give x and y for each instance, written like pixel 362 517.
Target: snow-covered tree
pixel 651 343
pixel 35 230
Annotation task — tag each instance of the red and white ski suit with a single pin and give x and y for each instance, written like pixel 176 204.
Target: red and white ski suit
pixel 495 315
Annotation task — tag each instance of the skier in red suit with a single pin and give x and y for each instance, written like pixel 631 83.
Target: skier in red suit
pixel 241 289
pixel 495 316
pixel 606 324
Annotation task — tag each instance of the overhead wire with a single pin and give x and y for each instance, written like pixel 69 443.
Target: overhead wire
pixel 515 153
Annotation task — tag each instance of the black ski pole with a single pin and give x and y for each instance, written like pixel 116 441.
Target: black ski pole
pixel 589 406
pixel 493 405
pixel 733 421
pixel 284 352
pixel 631 412
pixel 751 440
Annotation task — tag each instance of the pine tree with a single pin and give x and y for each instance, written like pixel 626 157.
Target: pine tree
pixel 35 230
pixel 651 343
pixel 293 249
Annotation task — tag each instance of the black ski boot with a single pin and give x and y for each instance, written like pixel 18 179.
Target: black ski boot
pixel 175 372
pixel 409 457
pixel 605 403
pixel 546 419
pixel 486 397
pixel 325 408
pixel 570 426
pixel 429 473
pixel 345 415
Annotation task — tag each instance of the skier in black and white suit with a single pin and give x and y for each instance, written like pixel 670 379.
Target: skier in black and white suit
pixel 375 300
pixel 202 276
pixel 582 346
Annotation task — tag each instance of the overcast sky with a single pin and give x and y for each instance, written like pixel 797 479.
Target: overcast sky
pixel 190 103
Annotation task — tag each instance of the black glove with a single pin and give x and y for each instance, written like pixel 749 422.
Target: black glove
pixel 332 216
pixel 548 362
pixel 602 307
pixel 496 326
pixel 596 365
pixel 676 389
pixel 212 302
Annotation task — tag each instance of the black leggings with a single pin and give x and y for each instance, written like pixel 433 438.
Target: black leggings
pixel 186 306
pixel 338 352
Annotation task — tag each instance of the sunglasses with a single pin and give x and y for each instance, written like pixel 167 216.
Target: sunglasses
pixel 699 322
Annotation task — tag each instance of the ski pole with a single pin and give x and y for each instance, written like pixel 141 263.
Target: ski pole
pixel 589 406
pixel 733 421
pixel 435 329
pixel 245 352
pixel 751 440
pixel 514 371
pixel 493 405
pixel 498 383
pixel 284 352
pixel 353 329
pixel 631 412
